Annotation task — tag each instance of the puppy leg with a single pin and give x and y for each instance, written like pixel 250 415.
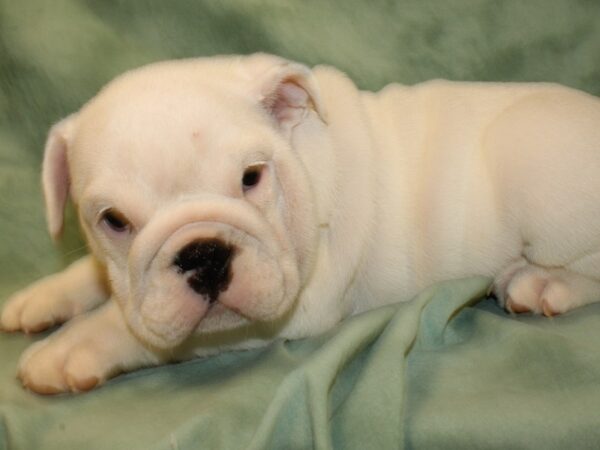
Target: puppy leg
pixel 84 353
pixel 524 287
pixel 544 153
pixel 56 298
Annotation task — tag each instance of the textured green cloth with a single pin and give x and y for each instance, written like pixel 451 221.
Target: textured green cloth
pixel 431 373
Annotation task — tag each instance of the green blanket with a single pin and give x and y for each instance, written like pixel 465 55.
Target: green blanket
pixel 436 372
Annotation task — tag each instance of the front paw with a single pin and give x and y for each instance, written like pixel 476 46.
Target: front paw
pixel 56 298
pixel 86 352
pixel 56 365
pixel 38 307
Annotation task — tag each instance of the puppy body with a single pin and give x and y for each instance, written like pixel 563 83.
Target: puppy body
pixel 327 202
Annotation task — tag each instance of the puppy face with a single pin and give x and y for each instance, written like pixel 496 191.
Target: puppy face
pixel 189 190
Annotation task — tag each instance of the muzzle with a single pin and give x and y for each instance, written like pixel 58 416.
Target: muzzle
pixel 193 255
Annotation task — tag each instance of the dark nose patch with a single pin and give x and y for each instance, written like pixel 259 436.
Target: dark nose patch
pixel 210 262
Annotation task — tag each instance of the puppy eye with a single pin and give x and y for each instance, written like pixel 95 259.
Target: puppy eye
pixel 115 220
pixel 252 176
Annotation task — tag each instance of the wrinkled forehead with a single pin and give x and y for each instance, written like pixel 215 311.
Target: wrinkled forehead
pixel 166 132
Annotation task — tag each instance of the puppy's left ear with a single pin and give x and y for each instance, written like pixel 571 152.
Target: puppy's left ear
pixel 55 174
pixel 288 91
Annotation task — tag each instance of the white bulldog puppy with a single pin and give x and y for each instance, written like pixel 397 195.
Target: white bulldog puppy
pixel 228 201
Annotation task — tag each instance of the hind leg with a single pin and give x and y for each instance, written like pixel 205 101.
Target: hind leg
pixel 526 287
pixel 544 159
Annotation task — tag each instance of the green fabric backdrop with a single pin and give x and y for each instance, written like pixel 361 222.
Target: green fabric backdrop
pixel 433 373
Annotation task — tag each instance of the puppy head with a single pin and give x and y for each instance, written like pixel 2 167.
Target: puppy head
pixel 190 189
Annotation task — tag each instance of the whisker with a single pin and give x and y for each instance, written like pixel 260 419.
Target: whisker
pixel 70 252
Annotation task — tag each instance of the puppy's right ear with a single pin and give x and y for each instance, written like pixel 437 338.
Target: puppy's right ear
pixel 55 174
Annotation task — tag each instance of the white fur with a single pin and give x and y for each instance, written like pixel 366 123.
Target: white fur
pixel 365 199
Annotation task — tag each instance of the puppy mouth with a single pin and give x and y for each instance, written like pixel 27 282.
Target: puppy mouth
pixel 206 272
pixel 214 263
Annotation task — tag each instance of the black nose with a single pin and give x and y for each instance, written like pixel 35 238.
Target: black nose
pixel 210 262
